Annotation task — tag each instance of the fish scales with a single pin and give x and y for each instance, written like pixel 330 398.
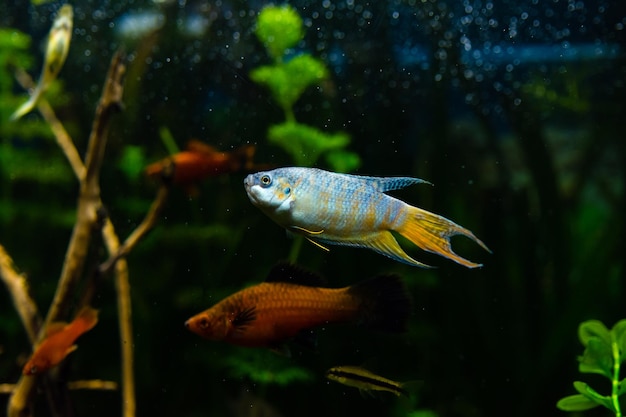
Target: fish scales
pixel 352 210
pixel 274 311
pixel 341 205
pixel 295 307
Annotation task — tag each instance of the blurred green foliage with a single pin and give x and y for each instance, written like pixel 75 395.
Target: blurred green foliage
pixel 265 367
pixel 280 28
pixel 605 352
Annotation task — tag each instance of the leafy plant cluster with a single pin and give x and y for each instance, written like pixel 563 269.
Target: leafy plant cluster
pixel 605 351
pixel 280 28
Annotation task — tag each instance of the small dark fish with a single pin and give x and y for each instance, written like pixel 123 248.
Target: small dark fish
pixel 364 380
pixel 270 313
pixel 352 210
pixel 59 341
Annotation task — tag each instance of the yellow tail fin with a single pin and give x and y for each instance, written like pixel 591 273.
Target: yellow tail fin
pixel 432 233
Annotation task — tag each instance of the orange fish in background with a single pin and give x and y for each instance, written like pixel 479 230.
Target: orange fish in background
pixel 59 341
pixel 200 161
pixel 288 303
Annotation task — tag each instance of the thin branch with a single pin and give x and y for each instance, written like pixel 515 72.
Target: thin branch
pixel 140 231
pixel 17 284
pixel 62 137
pixel 110 103
pixel 124 312
pixel 90 384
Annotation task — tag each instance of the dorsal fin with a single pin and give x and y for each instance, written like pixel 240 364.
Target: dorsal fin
pixel 394 183
pixel 292 274
pixel 55 327
pixel 194 145
pixel 384 184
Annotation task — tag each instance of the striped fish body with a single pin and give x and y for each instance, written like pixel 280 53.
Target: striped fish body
pixel 343 209
pixel 312 200
pixel 364 380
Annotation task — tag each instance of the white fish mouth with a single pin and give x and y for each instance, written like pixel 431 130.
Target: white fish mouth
pixel 248 184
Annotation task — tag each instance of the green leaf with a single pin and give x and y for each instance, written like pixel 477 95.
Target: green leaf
pixel 288 81
pixel 576 403
pixel 279 28
pixel 621 387
pixel 597 358
pixel 132 162
pixel 593 328
pixel 619 334
pixel 305 143
pixel 585 390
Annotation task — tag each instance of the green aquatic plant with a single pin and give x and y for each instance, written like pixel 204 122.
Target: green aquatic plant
pixel 280 28
pixel 24 159
pixel 265 367
pixel 605 351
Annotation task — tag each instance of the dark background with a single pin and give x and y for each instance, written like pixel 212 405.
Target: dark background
pixel 513 110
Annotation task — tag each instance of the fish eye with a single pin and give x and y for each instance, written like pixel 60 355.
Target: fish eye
pixel 33 370
pixel 203 323
pixel 266 180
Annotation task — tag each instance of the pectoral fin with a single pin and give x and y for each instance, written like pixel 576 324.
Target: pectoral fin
pixel 71 349
pixel 319 245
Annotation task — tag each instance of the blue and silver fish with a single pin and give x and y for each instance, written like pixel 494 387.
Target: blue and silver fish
pixel 352 210
pixel 56 52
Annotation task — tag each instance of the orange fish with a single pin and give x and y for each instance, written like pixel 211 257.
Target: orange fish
pixel 59 341
pixel 200 161
pixel 287 304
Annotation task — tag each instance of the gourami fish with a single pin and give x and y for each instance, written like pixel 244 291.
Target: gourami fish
pixel 59 341
pixel 288 304
pixel 352 210
pixel 200 161
pixel 56 52
pixel 364 380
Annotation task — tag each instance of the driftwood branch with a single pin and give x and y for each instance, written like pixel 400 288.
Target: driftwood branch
pixel 89 205
pixel 89 384
pixel 140 231
pixel 62 137
pixel 89 208
pixel 17 285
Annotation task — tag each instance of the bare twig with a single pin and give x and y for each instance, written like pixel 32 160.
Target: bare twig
pixel 18 288
pixel 124 311
pixel 62 137
pixel 90 384
pixel 140 231
pixel 93 384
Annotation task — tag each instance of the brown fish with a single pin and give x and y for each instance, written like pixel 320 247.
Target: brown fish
pixel 287 304
pixel 59 341
pixel 200 161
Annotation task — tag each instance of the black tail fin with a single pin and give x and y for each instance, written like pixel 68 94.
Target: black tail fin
pixel 385 303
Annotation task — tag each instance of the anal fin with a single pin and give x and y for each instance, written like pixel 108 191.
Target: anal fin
pixel 385 244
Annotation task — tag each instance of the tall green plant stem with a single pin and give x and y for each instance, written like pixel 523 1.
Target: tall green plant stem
pixel 615 379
